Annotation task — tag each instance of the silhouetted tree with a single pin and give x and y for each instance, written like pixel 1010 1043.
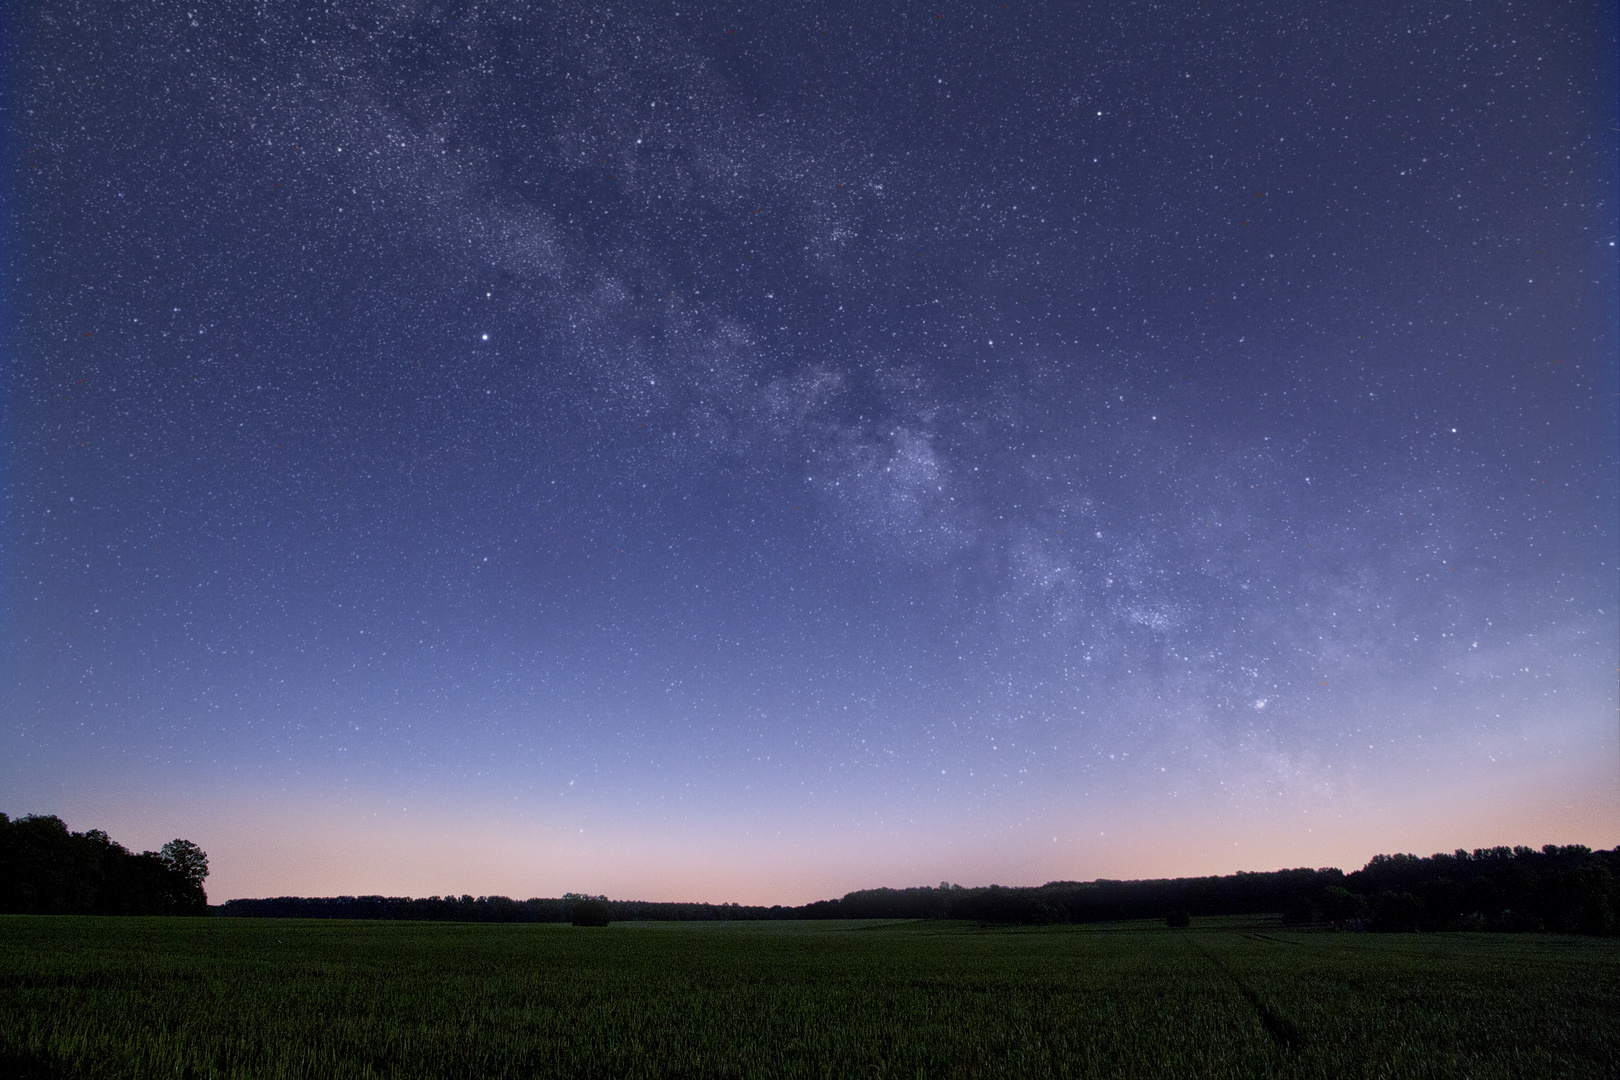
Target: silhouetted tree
pixel 187 867
pixel 588 910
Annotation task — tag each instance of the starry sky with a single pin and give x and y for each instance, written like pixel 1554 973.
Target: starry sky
pixel 756 452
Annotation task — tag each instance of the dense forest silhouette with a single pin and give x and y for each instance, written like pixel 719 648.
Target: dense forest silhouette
pixel 1569 889
pixel 46 869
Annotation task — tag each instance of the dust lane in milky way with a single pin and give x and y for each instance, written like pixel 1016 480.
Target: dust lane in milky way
pixel 753 453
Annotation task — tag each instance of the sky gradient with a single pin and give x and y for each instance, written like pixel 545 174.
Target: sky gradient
pixel 752 453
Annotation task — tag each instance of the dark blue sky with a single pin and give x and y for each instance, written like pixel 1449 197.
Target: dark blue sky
pixel 751 453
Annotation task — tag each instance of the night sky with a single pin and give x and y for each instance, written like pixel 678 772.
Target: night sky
pixel 751 453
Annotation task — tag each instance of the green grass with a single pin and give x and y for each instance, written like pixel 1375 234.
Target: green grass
pixel 135 997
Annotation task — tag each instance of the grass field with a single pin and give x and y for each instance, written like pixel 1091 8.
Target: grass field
pixel 139 997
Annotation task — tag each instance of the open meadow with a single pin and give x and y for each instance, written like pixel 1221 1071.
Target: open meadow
pixel 210 997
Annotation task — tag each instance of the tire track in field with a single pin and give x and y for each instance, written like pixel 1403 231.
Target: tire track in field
pixel 1283 1031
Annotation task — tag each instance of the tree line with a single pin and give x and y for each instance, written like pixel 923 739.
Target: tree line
pixel 47 870
pixel 1569 889
pixel 567 908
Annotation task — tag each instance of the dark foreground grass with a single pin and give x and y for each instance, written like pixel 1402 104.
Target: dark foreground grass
pixel 130 997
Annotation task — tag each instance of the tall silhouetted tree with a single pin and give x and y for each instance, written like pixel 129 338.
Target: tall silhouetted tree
pixel 187 866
